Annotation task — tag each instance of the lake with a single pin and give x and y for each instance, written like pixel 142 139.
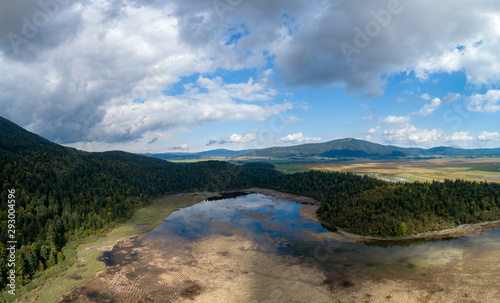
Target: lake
pixel 256 248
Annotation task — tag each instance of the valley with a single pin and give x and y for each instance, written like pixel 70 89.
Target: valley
pixel 409 170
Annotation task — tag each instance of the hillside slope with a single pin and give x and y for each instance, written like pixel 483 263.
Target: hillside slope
pixel 354 148
pixel 62 193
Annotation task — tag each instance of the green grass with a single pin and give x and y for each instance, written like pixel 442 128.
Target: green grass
pixel 479 169
pixel 82 255
pixel 194 160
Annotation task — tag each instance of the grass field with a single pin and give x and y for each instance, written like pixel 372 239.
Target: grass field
pixel 480 169
pixel 82 262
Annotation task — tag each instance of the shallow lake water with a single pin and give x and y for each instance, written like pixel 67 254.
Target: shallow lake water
pixel 218 250
pixel 264 218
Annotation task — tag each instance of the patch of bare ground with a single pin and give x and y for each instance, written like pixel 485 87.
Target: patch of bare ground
pixel 235 269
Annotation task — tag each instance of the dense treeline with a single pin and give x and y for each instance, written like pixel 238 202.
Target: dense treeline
pixel 62 193
pixel 368 206
pixel 411 208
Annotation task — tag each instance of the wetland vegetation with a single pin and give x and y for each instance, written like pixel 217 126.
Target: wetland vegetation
pixel 256 248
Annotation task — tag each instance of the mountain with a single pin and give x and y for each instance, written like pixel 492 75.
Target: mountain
pixel 200 155
pixel 14 139
pixel 354 148
pixel 333 149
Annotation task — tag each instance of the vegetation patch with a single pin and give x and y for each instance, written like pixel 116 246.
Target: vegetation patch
pixel 52 284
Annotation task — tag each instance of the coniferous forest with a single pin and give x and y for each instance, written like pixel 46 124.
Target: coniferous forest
pixel 63 194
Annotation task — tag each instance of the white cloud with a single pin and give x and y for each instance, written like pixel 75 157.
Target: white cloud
pixel 425 96
pixel 484 103
pixel 460 137
pixel 451 97
pixel 410 135
pixel 182 147
pixel 428 109
pixel 367 118
pixel 127 120
pixel 299 138
pixel 293 119
pixel 235 139
pixel 373 130
pixel 489 136
pixel 395 119
pixel 239 138
pixel 427 138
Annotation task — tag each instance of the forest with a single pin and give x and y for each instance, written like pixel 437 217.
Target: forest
pixel 64 194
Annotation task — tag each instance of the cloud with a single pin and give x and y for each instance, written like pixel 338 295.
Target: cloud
pixel 367 118
pixel 484 103
pixel 82 66
pixel 395 119
pixel 460 137
pixel 293 119
pixel 425 96
pixel 182 147
pixel 489 136
pixel 373 130
pixel 207 101
pixel 234 139
pixel 451 97
pixel 85 94
pixel 410 135
pixel 428 109
pixel 304 39
pixel 299 138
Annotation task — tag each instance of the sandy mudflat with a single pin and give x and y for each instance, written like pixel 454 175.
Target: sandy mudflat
pixel 236 269
pixel 232 267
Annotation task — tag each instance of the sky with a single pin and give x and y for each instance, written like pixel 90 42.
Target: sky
pixel 187 76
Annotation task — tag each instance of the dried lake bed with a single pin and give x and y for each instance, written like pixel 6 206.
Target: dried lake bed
pixel 257 248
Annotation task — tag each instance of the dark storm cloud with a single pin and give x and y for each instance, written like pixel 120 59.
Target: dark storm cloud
pixel 28 28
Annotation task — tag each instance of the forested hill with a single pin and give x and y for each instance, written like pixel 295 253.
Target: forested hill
pixel 62 193
pixel 354 148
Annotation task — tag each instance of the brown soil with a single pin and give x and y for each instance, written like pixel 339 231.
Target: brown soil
pixel 236 269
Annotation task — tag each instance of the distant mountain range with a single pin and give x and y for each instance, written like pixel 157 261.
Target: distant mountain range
pixel 353 148
pixel 201 155
pixel 342 148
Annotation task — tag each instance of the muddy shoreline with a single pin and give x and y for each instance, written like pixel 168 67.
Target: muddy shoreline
pixel 234 266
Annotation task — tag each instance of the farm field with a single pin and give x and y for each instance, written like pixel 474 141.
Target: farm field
pixel 479 169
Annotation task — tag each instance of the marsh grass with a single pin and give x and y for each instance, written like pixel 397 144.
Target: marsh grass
pixel 81 263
